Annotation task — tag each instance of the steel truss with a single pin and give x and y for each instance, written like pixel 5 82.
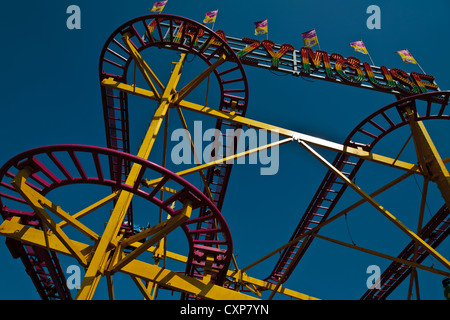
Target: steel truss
pixel 211 271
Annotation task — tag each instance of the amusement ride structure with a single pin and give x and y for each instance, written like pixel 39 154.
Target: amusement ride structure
pixel 37 228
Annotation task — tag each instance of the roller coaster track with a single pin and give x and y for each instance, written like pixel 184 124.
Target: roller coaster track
pixel 207 230
pixel 371 131
pixel 147 32
pixel 69 169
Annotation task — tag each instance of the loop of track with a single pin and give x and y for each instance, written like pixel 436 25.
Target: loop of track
pixel 73 164
pixel 180 34
pixel 368 133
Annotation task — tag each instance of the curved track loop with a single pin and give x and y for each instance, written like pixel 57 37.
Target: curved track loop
pixel 368 133
pixel 173 33
pixel 73 164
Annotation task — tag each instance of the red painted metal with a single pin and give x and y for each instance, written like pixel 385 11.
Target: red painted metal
pixel 72 171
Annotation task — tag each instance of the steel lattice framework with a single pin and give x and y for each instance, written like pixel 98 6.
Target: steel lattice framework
pixel 210 272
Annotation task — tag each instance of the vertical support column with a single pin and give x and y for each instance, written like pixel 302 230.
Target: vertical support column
pixel 429 159
pixel 101 254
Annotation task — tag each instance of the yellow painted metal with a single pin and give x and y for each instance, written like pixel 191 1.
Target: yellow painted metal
pixel 329 220
pixel 184 92
pixel 243 278
pixel 357 152
pixel 158 232
pixel 154 182
pixel 69 219
pixel 143 66
pixel 180 282
pixel 101 254
pixel 110 285
pixel 91 208
pixel 107 256
pixel 142 288
pixel 14 230
pixel 35 201
pixel 429 159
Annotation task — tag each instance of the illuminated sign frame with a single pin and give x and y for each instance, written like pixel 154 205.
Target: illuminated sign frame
pixel 330 67
pixel 317 64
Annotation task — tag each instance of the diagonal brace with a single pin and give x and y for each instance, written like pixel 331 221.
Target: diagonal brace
pixel 377 206
pixel 160 230
pixel 35 200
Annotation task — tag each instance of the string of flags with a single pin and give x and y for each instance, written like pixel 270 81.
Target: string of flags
pixel 309 38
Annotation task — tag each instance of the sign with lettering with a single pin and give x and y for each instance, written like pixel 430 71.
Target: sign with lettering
pixel 330 67
pixel 286 58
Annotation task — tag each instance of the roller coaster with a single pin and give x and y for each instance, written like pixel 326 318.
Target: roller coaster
pixel 37 228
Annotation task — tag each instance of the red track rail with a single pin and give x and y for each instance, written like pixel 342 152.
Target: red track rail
pixel 434 232
pixel 160 31
pixel 72 170
pixel 370 131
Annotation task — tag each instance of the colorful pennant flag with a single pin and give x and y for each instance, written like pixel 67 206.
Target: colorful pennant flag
pixel 310 38
pixel 406 56
pixel 210 17
pixel 359 47
pixel 159 6
pixel 261 27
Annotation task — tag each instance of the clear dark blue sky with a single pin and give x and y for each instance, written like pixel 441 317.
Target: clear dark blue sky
pixel 50 94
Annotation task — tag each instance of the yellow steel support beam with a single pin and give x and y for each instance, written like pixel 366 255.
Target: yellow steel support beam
pixel 357 152
pixel 142 270
pixel 142 288
pixel 143 66
pixel 101 254
pixel 334 218
pixel 14 230
pixel 91 208
pixel 110 285
pixel 428 156
pixel 184 92
pixel 69 219
pixel 35 201
pixel 159 231
pixel 154 182
pixel 180 282
pixel 242 277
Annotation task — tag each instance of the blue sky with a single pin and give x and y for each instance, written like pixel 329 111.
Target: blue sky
pixel 50 94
